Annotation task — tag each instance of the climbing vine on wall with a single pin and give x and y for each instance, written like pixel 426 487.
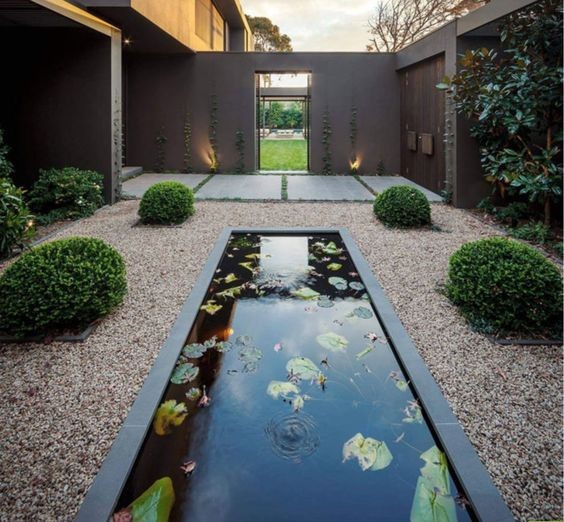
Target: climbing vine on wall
pixel 327 168
pixel 160 141
pixel 118 148
pixel 188 143
pixel 240 146
pixel 212 134
pixel 353 137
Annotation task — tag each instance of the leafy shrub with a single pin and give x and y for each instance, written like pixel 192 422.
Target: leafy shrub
pixel 68 193
pixel 6 167
pixel 63 284
pixel 558 248
pixel 402 206
pixel 486 204
pixel 514 212
pixel 166 203
pixel 506 285
pixel 534 232
pixel 16 224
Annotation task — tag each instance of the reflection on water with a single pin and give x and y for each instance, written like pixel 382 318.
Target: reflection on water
pixel 309 416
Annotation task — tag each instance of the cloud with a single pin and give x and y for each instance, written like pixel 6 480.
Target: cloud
pixel 318 25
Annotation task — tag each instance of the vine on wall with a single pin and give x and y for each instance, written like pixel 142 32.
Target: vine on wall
pixel 118 148
pixel 212 134
pixel 327 168
pixel 240 146
pixel 188 143
pixel 160 141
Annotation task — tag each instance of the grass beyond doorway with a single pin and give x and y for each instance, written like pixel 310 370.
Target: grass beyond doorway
pixel 283 155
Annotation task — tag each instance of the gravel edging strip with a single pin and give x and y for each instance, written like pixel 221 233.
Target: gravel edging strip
pixel 40 339
pixel 525 342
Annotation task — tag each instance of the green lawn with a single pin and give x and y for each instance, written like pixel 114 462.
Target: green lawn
pixel 283 155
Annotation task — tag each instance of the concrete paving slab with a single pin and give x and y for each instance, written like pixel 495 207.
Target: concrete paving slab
pixel 138 186
pixel 241 186
pixel 327 188
pixel 380 183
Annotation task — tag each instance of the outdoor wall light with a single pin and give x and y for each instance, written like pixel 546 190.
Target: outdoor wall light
pixel 127 41
pixel 213 162
pixel 354 165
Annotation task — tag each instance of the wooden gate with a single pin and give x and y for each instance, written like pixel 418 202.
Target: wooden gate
pixel 423 123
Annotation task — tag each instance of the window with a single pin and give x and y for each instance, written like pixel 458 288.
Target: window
pixel 203 20
pixel 218 43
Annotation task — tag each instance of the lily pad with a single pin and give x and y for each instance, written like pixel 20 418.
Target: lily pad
pixel 223 346
pixel 436 470
pixel 284 389
pixel 303 368
pixel 325 301
pixel 365 352
pixel 298 403
pixel 194 350
pixel 211 307
pixel 230 278
pixel 413 413
pixel 155 504
pixel 306 293
pixel 332 341
pixel 193 394
pixel 334 267
pixel 244 340
pixel 184 373
pixel 249 265
pixel 230 293
pixel 430 506
pixel 363 312
pixel 355 285
pixel 169 414
pixel 371 454
pixel 338 282
pixel 401 384
pixel 250 356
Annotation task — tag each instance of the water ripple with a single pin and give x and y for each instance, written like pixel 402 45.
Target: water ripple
pixel 293 436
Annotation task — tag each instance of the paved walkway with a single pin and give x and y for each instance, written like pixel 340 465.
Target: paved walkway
pixel 257 187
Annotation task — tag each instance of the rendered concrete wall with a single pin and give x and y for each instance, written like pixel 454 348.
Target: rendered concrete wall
pixel 162 88
pixel 57 106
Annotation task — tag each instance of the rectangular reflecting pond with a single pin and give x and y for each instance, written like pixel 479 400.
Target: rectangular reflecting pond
pixel 289 403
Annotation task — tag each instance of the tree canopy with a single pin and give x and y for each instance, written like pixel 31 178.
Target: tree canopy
pixel 268 37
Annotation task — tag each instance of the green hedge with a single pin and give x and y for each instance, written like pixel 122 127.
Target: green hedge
pixel 504 286
pixel 16 223
pixel 65 284
pixel 67 193
pixel 402 206
pixel 166 203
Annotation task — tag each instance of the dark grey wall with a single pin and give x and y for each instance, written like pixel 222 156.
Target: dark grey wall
pixel 56 100
pixel 161 88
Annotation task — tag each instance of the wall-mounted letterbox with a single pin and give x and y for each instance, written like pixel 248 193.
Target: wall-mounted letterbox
pixel 427 144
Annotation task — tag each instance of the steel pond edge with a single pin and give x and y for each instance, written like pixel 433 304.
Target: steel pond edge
pixel 102 497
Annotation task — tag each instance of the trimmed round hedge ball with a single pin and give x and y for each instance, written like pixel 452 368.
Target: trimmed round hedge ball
pixel 65 284
pixel 166 203
pixel 402 206
pixel 503 286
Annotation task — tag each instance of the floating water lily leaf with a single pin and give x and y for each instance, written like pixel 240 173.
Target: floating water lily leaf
pixel 413 413
pixel 364 352
pixel 245 340
pixel 168 415
pixel 249 265
pixel 223 347
pixel 334 267
pixel 365 297
pixel 253 256
pixel 355 285
pixel 184 373
pixel 332 341
pixel 155 504
pixel 210 307
pixel 194 350
pixel 284 389
pixel 338 282
pixel 363 312
pixel 298 403
pixel 250 356
pixel 230 278
pixel 306 293
pixel 371 454
pixel 401 384
pixel 430 506
pixel 193 394
pixel 303 368
pixel 324 301
pixel 231 293
pixel 436 470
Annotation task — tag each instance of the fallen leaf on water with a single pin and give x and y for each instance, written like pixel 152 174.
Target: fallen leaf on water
pixel 204 401
pixel 188 467
pixel 277 347
pixel 400 438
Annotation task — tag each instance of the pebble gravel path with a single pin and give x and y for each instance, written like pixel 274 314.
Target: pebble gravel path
pixel 62 404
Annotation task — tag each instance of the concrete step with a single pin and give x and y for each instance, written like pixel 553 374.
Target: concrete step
pixel 130 172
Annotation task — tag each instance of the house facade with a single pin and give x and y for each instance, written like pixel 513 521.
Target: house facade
pixel 99 84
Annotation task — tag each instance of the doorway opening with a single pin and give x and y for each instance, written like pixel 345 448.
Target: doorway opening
pixel 283 121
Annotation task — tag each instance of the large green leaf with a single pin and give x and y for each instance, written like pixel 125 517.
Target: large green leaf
pixel 371 454
pixel 332 341
pixel 211 307
pixel 303 368
pixel 306 293
pixel 169 414
pixel 430 506
pixel 284 389
pixel 184 373
pixel 155 504
pixel 436 470
pixel 334 267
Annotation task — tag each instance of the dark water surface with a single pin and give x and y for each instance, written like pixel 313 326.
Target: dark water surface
pixel 276 451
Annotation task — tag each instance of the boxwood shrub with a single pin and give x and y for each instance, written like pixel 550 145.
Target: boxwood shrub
pixel 65 284
pixel 166 203
pixel 402 206
pixel 16 223
pixel 504 286
pixel 67 193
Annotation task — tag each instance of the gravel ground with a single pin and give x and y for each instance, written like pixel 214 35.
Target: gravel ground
pixel 62 404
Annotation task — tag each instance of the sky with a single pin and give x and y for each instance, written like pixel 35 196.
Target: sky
pixel 318 25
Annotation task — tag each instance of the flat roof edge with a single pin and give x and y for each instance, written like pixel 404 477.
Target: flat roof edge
pixel 489 13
